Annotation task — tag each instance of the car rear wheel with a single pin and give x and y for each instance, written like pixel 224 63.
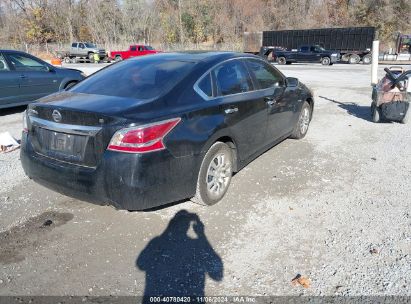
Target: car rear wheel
pixel 118 58
pixel 301 128
pixel 325 61
pixel 281 60
pixel 215 175
pixel 91 57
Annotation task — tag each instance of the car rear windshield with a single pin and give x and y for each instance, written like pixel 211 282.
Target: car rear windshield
pixel 143 78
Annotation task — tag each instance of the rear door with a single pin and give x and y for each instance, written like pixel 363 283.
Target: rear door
pixel 304 54
pixel 74 49
pixel 35 78
pixel 245 111
pixel 9 83
pixel 280 101
pixel 81 51
pixel 133 51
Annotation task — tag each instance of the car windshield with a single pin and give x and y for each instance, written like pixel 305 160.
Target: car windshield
pixel 143 78
pixel 320 48
pixel 90 45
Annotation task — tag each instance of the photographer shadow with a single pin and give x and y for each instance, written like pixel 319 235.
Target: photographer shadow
pixel 176 263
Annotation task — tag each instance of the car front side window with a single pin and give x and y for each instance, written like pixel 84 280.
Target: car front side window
pixel 265 75
pixel 232 78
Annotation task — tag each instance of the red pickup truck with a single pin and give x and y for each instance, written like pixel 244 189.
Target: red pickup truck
pixel 133 51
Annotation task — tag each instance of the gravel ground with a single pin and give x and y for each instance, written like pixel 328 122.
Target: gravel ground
pixel 333 207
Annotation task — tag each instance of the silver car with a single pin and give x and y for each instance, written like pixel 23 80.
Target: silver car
pixel 25 78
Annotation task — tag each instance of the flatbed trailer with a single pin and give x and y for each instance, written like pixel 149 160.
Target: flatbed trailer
pixel 353 43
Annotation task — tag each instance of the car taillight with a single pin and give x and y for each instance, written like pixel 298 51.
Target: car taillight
pixel 142 139
pixel 25 126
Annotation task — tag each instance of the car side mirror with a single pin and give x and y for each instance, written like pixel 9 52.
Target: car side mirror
pixel 50 69
pixel 291 82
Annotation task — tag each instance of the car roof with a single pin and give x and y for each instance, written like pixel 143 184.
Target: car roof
pixel 203 56
pixel 11 51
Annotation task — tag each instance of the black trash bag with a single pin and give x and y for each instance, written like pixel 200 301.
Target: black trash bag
pixel 395 110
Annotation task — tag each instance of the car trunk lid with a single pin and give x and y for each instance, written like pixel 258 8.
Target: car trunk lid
pixel 76 128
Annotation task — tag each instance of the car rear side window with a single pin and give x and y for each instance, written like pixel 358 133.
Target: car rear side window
pixel 22 62
pixel 265 75
pixel 232 78
pixel 74 45
pixel 3 64
pixel 205 85
pixel 144 78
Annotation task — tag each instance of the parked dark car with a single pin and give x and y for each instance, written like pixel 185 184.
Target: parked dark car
pixel 25 78
pixel 307 53
pixel 172 126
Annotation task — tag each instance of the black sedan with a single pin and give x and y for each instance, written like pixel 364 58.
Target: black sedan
pixel 25 78
pixel 157 129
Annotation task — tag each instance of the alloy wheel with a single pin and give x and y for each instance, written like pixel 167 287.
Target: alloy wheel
pixel 218 175
pixel 304 120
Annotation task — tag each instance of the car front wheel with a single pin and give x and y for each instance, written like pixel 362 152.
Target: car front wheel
pixel 325 61
pixel 301 128
pixel 281 60
pixel 215 175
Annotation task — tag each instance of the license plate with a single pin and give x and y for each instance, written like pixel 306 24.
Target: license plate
pixel 62 142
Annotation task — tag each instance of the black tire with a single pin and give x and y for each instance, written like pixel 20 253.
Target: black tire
pixel 367 59
pixel 118 58
pixel 282 60
pixel 91 57
pixel 69 85
pixel 354 59
pixel 301 128
pixel 219 182
pixel 67 60
pixel 406 117
pixel 375 113
pixel 325 61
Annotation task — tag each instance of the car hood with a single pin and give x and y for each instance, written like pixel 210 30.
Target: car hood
pixel 101 104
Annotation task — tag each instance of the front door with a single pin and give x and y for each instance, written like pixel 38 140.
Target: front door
pixel 36 79
pixel 280 101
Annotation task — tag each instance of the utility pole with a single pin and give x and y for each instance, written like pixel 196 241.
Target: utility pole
pixel 374 62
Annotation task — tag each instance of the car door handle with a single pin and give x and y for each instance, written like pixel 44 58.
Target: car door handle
pixel 231 110
pixel 23 76
pixel 270 100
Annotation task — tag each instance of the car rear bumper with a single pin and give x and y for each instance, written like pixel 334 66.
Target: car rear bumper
pixel 126 181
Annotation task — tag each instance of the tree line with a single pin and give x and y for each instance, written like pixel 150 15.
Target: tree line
pixel 171 24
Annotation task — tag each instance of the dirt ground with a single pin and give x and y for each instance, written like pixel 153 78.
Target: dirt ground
pixel 333 207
